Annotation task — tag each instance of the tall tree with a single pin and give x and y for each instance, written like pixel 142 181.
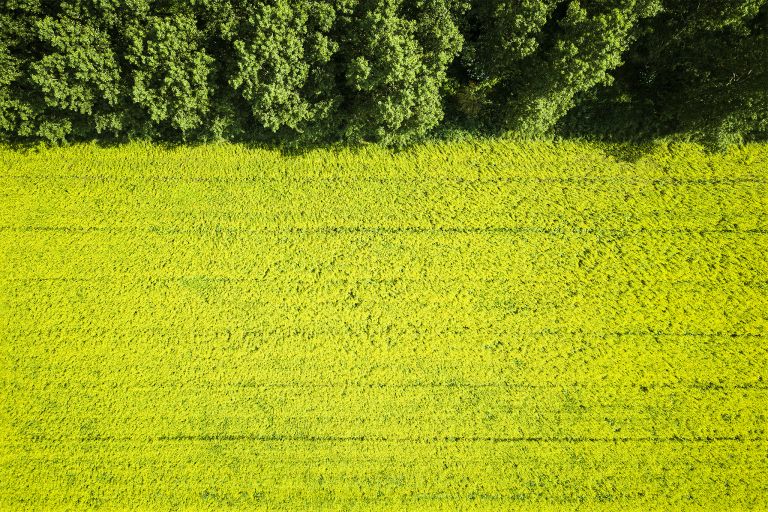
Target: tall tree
pixel 169 73
pixel 282 63
pixel 536 57
pixel 704 65
pixel 19 105
pixel 395 57
pixel 78 77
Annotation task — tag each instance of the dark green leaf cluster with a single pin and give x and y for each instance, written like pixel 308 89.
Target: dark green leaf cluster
pixel 387 71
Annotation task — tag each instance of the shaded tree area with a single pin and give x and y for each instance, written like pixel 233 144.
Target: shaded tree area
pixel 386 71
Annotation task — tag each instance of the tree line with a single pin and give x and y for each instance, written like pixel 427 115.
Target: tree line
pixel 386 71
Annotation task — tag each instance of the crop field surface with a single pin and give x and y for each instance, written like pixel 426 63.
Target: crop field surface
pixel 464 326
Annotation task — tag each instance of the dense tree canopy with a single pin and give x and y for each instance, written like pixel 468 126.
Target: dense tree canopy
pixel 388 71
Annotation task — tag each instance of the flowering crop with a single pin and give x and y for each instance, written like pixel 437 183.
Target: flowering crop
pixel 480 326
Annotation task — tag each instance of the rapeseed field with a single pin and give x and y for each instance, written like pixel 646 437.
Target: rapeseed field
pixel 457 326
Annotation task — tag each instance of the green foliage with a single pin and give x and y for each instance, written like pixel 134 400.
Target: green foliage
pixel 169 72
pixel 283 52
pixel 507 32
pixel 17 33
pixel 588 46
pixel 9 73
pixel 697 69
pixel 79 74
pixel 396 58
pixel 555 51
pixel 386 71
pixel 707 67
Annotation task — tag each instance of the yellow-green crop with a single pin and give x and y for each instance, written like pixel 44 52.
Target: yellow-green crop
pixel 467 326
